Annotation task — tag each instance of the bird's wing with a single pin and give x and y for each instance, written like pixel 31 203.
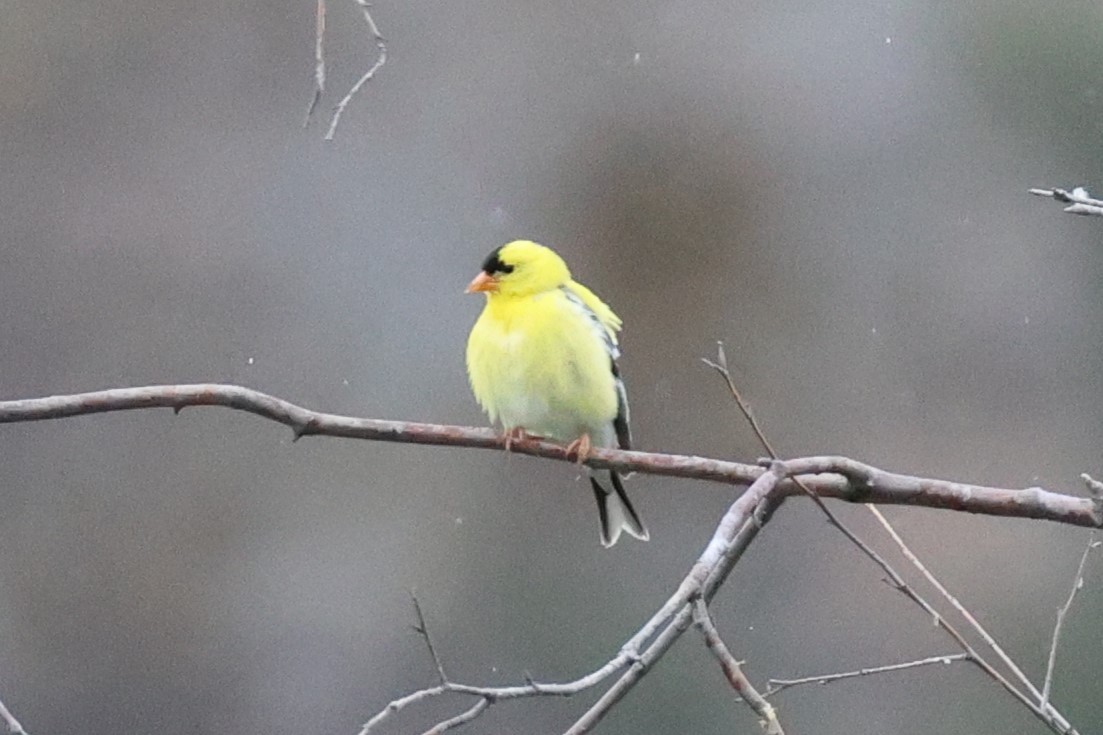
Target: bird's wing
pixel 605 325
pixel 620 423
pixel 609 321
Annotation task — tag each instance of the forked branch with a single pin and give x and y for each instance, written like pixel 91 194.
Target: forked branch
pixel 770 483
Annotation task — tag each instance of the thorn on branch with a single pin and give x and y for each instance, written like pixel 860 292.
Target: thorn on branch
pixel 305 428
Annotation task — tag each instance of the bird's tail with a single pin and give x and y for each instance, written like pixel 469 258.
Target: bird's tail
pixel 616 512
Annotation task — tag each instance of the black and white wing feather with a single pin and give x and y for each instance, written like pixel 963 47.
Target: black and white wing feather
pixel 615 509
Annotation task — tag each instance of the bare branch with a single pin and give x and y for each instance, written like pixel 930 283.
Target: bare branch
pixel 380 60
pixel 833 477
pixel 733 535
pixel 779 685
pixel 461 719
pixel 1044 710
pixel 954 602
pixel 1077 583
pixel 1078 200
pixel 736 530
pixel 721 367
pixel 423 630
pixel 319 61
pixel 9 719
pixel 733 670
pixel 1047 714
pixel 828 477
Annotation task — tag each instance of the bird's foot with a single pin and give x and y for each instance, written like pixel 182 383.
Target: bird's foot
pixel 517 435
pixel 582 448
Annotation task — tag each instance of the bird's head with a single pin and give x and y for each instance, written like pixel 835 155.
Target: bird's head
pixel 520 268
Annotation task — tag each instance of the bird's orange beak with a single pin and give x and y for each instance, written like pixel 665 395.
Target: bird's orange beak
pixel 482 283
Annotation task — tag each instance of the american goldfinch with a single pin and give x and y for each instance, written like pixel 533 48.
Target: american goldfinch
pixel 542 360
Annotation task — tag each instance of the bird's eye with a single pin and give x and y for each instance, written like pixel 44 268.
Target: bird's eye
pixel 493 264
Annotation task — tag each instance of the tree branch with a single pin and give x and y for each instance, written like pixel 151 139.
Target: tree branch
pixel 14 728
pixel 380 60
pixel 769 486
pixel 1079 201
pixel 733 671
pixel 779 685
pixel 828 477
pixel 651 642
pixel 319 60
pixel 1040 707
pixel 1077 583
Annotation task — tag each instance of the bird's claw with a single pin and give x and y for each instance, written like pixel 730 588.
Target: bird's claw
pixel 582 448
pixel 517 435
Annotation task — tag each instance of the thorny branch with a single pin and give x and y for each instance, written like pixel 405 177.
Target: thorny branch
pixel 769 485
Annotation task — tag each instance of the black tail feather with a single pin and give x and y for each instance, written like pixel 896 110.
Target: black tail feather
pixel 616 513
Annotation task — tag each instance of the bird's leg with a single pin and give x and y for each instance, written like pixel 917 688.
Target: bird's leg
pixel 582 448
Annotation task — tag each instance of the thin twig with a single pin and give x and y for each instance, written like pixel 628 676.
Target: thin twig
pixel 739 526
pixel 779 685
pixel 319 61
pixel 423 630
pixel 499 694
pixel 1077 583
pixel 721 367
pixel 380 60
pixel 1046 714
pixel 1079 201
pixel 9 719
pixel 733 670
pixel 954 602
pixel 461 719
pixel 650 643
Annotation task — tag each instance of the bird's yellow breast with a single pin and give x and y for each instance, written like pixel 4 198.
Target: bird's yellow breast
pixel 538 362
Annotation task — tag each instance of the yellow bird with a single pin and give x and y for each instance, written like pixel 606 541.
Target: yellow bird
pixel 542 360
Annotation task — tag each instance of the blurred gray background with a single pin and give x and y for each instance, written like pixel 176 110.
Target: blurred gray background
pixel 836 190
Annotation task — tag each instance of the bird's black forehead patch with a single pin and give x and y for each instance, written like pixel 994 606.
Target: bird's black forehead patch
pixel 493 264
